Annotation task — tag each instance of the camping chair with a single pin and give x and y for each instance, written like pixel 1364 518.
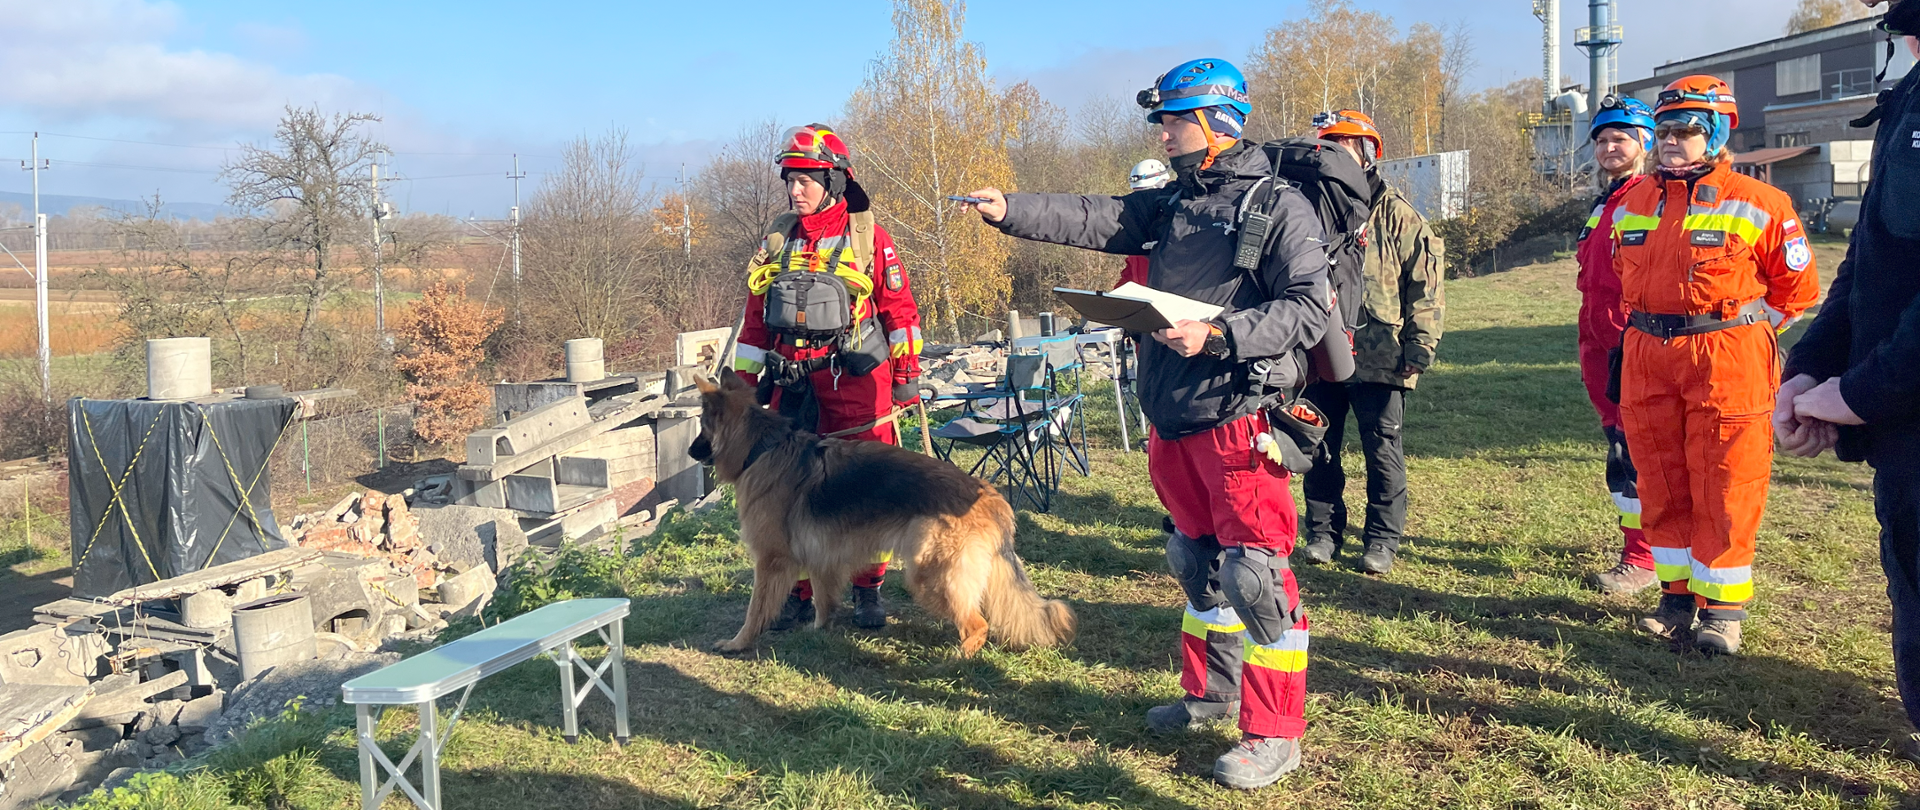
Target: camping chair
pixel 1069 433
pixel 1018 436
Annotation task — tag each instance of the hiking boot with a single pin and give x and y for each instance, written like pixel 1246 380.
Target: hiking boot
pixel 1321 551
pixel 1717 635
pixel 1625 578
pixel 1256 762
pixel 1673 618
pixel 1908 748
pixel 1190 712
pixel 1377 560
pixel 868 611
pixel 794 613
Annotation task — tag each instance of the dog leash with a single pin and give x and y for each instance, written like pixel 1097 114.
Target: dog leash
pixel 926 442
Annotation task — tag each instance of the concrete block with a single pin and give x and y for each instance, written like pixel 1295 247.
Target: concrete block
pixel 473 536
pixel 46 655
pixel 542 425
pixel 486 446
pixel 209 608
pixel 463 589
pixel 200 713
pixel 580 471
pixel 679 475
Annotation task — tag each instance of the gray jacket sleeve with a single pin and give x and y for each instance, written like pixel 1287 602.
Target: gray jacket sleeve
pixel 1294 282
pixel 1092 221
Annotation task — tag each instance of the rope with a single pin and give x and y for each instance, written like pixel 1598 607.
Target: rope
pixel 926 442
pixel 253 515
pixel 87 423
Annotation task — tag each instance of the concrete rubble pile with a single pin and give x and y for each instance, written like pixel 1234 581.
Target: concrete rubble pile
pixel 373 525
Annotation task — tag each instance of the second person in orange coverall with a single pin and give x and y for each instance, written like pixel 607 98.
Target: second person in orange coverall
pixel 1712 264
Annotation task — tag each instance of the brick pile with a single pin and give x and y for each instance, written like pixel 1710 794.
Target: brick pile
pixel 378 526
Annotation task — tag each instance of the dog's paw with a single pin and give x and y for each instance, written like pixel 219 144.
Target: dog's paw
pixel 732 646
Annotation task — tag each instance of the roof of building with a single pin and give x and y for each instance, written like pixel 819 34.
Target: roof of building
pixel 1763 157
pixel 1703 64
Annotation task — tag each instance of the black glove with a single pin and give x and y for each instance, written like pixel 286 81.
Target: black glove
pixel 906 392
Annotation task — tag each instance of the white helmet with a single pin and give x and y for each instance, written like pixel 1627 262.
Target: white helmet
pixel 1149 173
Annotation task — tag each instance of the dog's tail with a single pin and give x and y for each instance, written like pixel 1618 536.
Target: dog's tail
pixel 1016 615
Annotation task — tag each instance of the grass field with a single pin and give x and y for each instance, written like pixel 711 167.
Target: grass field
pixel 1480 673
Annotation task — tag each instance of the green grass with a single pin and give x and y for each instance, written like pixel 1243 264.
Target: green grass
pixel 1480 673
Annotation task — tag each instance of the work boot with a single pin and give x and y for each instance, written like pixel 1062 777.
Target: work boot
pixel 794 613
pixel 1717 635
pixel 1190 712
pixel 1908 748
pixel 1378 559
pixel 1321 551
pixel 868 611
pixel 1256 762
pixel 1625 578
pixel 1673 618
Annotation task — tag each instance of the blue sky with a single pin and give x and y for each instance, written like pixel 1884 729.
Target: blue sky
pixel 462 85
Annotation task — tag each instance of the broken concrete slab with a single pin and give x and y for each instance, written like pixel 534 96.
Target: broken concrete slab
pixel 200 713
pixel 473 535
pixel 459 591
pixel 51 655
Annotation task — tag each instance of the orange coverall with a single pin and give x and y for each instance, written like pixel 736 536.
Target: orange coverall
pixel 1697 408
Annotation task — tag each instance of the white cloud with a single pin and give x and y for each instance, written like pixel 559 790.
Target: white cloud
pixel 80 59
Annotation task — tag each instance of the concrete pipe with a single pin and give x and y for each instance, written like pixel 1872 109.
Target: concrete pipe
pixel 273 631
pixel 179 368
pixel 586 360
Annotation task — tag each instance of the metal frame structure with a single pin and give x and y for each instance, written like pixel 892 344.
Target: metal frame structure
pixel 422 680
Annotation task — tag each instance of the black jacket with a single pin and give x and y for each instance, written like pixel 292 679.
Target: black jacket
pixel 1189 239
pixel 1868 331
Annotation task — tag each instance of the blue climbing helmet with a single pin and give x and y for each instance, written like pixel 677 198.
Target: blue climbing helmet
pixel 1196 84
pixel 1624 113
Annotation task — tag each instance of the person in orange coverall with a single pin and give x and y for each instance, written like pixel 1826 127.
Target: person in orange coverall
pixel 1712 265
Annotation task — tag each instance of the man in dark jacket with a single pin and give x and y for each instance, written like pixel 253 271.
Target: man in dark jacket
pixel 1853 380
pixel 1244 640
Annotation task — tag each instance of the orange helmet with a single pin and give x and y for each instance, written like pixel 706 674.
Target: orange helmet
pixel 1349 124
pixel 1702 92
pixel 814 146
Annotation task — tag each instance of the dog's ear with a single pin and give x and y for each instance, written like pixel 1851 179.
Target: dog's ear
pixel 731 381
pixel 704 384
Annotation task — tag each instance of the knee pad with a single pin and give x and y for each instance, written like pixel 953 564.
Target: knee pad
pixel 1251 578
pixel 1194 561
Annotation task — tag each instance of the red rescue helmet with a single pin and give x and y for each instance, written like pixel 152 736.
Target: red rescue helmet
pixel 814 147
pixel 1349 124
pixel 1702 92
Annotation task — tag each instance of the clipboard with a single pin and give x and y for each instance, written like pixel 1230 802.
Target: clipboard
pixel 1136 308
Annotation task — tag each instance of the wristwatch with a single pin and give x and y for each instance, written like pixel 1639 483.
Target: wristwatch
pixel 1216 345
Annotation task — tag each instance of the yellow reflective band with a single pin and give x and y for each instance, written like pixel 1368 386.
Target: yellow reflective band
pixel 1217 620
pixel 1736 225
pixel 1634 222
pixel 1594 221
pixel 1736 592
pixel 1289 654
pixel 884 556
pixel 1629 520
pixel 742 363
pixel 1672 564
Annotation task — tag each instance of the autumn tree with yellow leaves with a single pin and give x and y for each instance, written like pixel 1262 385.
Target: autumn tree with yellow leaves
pixel 929 122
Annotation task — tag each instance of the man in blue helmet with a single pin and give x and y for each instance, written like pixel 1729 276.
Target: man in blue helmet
pixel 1622 134
pixel 1202 385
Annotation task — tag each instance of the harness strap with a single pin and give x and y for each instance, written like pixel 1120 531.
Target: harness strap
pixel 1667 327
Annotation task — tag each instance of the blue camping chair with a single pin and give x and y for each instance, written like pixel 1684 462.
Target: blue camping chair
pixel 1018 426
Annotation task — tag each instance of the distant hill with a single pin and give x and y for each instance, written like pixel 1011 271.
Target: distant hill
pixel 60 204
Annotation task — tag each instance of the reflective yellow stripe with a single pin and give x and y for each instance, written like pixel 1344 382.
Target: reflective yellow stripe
pixel 1217 620
pixel 1737 225
pixel 1634 222
pixel 1672 564
pixel 1735 592
pixel 1630 520
pixel 1289 654
pixel 748 366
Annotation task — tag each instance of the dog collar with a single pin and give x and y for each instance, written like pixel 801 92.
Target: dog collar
pixel 766 443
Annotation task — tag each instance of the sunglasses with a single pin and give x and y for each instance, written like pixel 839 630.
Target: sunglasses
pixel 1681 129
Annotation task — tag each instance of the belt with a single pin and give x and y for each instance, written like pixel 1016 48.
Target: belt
pixel 1667 327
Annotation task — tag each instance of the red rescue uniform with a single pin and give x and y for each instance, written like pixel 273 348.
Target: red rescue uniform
pixel 1697 407
pixel 1603 319
pixel 846 401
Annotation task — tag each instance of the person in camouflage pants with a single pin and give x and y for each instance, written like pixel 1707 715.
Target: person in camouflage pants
pixel 1397 339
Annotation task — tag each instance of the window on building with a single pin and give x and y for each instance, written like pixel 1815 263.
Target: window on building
pixel 1791 139
pixel 1795 76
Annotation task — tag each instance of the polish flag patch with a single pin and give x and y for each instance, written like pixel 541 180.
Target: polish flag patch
pixel 1791 226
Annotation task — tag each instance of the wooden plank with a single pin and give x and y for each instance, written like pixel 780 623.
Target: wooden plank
pixel 219 576
pixel 607 416
pixel 29 714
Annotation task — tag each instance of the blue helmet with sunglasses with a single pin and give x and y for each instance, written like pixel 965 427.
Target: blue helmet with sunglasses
pixel 1624 113
pixel 1195 85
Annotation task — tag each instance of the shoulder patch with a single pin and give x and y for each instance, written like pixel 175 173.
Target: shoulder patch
pixel 1799 254
pixel 895 278
pixel 1790 225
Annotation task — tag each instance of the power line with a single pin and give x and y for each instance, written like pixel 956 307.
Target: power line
pixel 124 140
pixel 135 168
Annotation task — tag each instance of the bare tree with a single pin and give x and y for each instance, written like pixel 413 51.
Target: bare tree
pixel 592 255
pixel 309 196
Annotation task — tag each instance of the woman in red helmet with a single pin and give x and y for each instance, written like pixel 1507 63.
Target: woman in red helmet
pixel 843 385
pixel 1711 263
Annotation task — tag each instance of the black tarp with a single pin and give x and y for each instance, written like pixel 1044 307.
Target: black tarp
pixel 162 489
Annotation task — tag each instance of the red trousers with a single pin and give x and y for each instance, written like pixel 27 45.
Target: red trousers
pixel 1215 485
pixel 1602 322
pixel 848 402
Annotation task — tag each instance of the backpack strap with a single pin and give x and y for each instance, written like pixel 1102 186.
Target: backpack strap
pixel 776 237
pixel 860 223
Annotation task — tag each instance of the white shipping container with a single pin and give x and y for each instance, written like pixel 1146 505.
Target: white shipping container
pixel 1435 184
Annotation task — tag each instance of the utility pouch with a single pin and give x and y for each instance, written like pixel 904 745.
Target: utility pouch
pixel 808 305
pixel 864 349
pixel 1298 428
pixel 1614 356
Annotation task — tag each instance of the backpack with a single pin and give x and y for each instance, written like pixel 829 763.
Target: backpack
pixel 819 306
pixel 1337 188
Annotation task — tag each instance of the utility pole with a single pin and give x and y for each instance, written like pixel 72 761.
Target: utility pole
pixel 40 275
pixel 515 176
pixel 686 222
pixel 380 211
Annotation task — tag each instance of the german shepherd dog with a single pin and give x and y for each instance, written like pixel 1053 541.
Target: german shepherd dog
pixel 827 506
